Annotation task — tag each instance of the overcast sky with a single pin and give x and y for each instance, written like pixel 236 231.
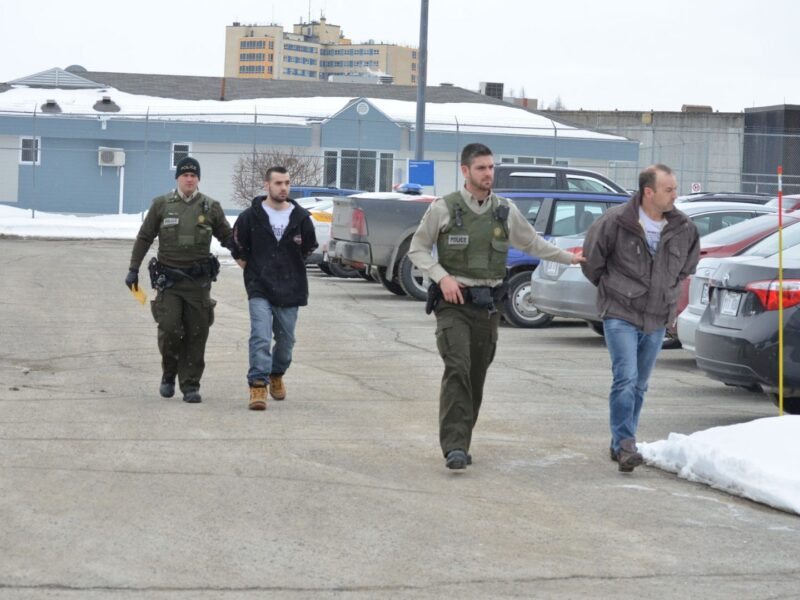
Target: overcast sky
pixel 624 54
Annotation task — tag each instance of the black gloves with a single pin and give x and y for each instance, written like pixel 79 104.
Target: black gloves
pixel 132 279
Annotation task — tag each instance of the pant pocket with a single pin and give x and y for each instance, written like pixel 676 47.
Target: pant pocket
pixel 156 307
pixel 209 305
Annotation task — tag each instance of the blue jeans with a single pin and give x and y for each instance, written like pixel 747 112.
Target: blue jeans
pixel 633 355
pixel 265 321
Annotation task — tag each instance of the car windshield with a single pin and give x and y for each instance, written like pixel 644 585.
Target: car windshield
pixel 739 231
pixel 769 245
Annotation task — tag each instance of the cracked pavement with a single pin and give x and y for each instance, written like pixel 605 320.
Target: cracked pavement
pixel 109 491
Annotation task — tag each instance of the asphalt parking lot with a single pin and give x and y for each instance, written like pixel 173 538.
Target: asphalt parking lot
pixel 109 491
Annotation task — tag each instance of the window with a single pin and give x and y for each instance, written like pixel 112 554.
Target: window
pixel 180 150
pixel 710 223
pixel 251 68
pixel 581 183
pixel 331 168
pixel 248 44
pixel 529 207
pixel 571 217
pixel 29 150
pixel 364 170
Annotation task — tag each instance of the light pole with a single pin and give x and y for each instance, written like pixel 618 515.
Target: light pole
pixel 422 70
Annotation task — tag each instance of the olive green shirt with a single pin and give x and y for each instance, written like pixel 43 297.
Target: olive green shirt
pixel 521 235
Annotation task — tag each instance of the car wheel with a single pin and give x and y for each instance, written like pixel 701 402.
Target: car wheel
pixel 597 327
pixel 390 284
pixel 518 308
pixel 412 279
pixel 670 343
pixel 790 405
pixel 343 271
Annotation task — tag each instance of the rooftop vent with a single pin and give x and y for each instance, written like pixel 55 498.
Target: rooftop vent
pixel 446 84
pixel 386 79
pixel 106 104
pixel 696 108
pixel 51 106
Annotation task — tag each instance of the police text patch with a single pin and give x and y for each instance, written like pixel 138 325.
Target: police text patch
pixel 457 240
pixel 169 221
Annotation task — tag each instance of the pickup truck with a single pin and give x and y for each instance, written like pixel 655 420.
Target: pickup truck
pixel 375 229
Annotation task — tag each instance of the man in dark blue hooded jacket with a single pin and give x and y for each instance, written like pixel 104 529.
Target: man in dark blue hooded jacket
pixel 272 239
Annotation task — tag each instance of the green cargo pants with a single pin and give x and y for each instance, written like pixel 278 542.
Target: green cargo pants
pixel 184 313
pixel 466 337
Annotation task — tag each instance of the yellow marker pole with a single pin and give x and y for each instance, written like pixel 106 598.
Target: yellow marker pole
pixel 780 291
pixel 139 294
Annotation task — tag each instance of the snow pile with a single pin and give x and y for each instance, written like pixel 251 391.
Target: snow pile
pixel 756 460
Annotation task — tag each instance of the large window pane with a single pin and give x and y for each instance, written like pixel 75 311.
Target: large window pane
pixel 329 171
pixel 387 162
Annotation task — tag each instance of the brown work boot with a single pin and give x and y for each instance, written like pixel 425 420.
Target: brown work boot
pixel 276 388
pixel 258 395
pixel 627 456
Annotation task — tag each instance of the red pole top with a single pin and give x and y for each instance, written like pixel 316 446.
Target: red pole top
pixel 780 170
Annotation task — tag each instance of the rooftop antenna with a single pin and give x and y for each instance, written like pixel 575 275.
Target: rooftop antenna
pixel 309 11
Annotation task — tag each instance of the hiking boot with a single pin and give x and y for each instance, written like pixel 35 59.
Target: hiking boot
pixel 258 396
pixel 276 388
pixel 469 458
pixel 627 456
pixel 167 387
pixel 613 454
pixel 192 397
pixel 456 459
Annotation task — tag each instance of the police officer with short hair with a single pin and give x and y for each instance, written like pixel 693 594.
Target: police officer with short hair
pixel 184 221
pixel 472 230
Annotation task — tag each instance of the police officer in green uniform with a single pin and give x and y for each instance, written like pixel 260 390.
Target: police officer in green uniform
pixel 471 230
pixel 184 221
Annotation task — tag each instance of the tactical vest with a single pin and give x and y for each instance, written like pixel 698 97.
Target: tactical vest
pixel 473 245
pixel 184 235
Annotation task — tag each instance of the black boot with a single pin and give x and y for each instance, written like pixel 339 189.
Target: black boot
pixel 167 387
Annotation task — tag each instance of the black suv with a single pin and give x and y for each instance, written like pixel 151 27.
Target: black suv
pixel 750 197
pixel 512 176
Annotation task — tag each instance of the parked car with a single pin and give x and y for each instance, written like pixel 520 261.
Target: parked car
pixel 790 202
pixel 376 228
pixel 513 176
pixel 751 198
pixel 740 239
pixel 303 191
pixel 737 339
pixel 563 291
pixel 321 209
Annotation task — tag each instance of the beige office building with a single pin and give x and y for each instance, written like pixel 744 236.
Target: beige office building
pixel 313 51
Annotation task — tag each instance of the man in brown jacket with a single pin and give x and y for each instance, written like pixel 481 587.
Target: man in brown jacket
pixel 637 255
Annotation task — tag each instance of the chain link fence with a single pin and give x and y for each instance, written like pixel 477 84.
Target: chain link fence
pixel 141 150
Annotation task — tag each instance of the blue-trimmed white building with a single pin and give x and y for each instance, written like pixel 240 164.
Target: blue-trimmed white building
pixel 88 142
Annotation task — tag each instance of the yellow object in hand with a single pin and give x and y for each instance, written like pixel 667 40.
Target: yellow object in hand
pixel 139 294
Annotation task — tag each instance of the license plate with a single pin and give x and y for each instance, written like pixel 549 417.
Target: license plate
pixel 551 268
pixel 704 294
pixel 730 303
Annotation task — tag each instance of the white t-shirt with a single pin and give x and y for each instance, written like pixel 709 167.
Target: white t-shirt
pixel 652 230
pixel 279 219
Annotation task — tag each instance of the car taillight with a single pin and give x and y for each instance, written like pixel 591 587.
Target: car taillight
pixel 767 292
pixel 358 224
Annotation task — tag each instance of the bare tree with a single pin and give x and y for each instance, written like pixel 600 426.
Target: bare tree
pixel 250 171
pixel 557 104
